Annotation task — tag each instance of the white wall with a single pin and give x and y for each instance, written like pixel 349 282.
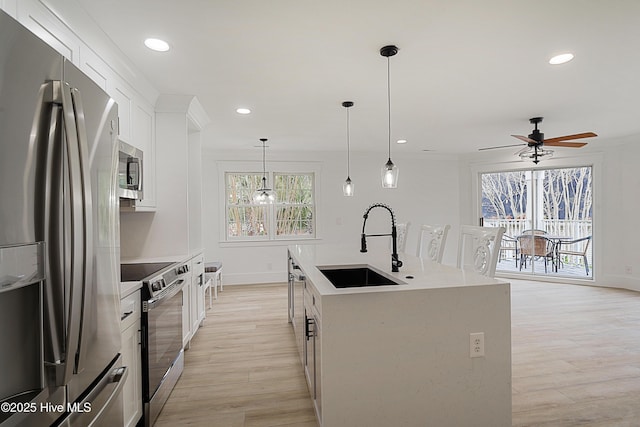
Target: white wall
pixel 620 206
pixel 427 194
pixel 165 232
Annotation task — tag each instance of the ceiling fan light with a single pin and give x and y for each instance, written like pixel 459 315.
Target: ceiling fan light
pixel 535 154
pixel 561 59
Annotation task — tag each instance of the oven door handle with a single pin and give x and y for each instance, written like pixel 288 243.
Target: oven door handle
pixel 155 302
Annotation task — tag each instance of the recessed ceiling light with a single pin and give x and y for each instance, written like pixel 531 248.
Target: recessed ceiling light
pixel 402 141
pixel 561 59
pixel 243 111
pixel 157 45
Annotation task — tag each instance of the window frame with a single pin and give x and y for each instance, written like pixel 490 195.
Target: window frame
pixel 593 160
pixel 274 168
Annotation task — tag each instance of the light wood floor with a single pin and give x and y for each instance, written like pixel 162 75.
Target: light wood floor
pixel 576 360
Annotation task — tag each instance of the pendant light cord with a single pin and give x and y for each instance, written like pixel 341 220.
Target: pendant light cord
pixel 264 167
pixel 264 164
pixel 348 147
pixel 389 100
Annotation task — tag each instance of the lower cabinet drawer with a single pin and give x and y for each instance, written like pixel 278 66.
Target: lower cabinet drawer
pixel 130 310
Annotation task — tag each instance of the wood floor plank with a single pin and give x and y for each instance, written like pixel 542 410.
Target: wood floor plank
pixel 575 355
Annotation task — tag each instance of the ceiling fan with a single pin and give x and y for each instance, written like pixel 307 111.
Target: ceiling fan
pixel 535 142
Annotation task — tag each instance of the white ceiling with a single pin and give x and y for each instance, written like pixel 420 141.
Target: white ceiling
pixel 469 73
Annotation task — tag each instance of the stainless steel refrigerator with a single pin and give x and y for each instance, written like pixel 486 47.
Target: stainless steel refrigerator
pixel 60 339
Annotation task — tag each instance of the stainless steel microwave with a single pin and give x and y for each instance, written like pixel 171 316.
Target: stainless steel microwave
pixel 130 172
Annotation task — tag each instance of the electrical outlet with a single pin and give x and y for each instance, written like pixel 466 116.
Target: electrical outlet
pixel 476 344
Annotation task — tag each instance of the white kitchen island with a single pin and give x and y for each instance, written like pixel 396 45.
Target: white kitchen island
pixel 400 355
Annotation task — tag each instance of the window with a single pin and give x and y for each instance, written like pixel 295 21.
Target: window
pixel 291 217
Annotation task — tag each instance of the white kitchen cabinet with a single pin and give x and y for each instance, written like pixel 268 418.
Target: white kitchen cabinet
pixel 10 7
pixel 65 29
pixel 193 308
pixel 40 20
pixel 130 313
pixel 193 302
pixel 144 139
pixel 123 95
pixel 312 354
pixel 197 268
pixel 187 289
pixel 297 286
pixel 400 354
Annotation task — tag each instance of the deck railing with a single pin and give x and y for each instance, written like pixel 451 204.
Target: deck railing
pixel 573 229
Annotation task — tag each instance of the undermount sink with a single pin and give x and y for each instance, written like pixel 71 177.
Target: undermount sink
pixel 356 277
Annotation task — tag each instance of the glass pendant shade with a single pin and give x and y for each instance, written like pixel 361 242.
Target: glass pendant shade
pixel 264 195
pixel 389 174
pixel 348 188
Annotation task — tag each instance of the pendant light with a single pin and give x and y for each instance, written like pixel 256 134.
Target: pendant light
pixel 348 187
pixel 389 172
pixel 264 195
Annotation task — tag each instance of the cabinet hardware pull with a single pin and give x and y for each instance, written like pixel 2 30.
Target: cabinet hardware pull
pixel 309 332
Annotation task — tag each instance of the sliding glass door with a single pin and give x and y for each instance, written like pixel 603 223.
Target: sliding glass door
pixel 547 214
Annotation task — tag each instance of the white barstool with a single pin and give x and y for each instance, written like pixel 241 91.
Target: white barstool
pixel 213 271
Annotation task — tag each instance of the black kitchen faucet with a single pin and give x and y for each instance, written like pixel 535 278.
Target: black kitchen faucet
pixel 395 262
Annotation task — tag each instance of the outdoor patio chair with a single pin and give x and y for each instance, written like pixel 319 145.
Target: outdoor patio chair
pixel 509 245
pixel 535 231
pixel 478 249
pixel 535 247
pixel 565 249
pixel 431 242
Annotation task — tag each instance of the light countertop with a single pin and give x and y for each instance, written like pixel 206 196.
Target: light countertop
pixel 426 274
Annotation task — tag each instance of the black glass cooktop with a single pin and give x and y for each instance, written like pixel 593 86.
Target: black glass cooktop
pixel 135 272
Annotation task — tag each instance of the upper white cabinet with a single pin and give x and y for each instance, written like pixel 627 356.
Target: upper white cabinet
pixel 123 95
pixel 70 31
pixel 144 139
pixel 38 18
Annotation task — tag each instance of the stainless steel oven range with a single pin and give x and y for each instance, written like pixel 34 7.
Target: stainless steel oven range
pixel 162 353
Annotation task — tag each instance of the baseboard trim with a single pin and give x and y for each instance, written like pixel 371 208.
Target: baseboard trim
pixel 254 278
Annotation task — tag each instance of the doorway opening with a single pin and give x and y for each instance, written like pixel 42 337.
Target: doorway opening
pixel 548 217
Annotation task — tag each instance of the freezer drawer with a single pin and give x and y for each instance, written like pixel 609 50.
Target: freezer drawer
pixel 102 405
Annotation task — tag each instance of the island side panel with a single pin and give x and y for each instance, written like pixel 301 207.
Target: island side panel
pixel 402 358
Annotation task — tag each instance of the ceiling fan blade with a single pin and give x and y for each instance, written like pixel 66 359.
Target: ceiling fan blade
pixel 564 144
pixel 500 146
pixel 525 139
pixel 570 137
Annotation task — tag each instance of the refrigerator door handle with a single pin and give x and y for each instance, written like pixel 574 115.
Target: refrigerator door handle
pixel 88 255
pixel 52 229
pixel 76 222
